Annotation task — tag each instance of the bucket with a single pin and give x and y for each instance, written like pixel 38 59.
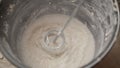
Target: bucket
pixel 101 17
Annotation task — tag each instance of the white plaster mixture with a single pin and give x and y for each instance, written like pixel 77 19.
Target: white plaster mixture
pixel 78 49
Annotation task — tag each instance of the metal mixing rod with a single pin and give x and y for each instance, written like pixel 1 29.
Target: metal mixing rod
pixel 66 23
pixel 48 42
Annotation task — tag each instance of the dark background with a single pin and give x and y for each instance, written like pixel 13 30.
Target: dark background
pixel 112 59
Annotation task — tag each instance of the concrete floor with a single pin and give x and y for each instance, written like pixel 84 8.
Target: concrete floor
pixel 4 63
